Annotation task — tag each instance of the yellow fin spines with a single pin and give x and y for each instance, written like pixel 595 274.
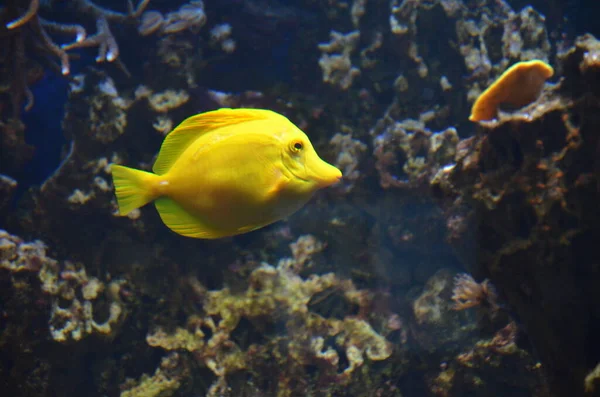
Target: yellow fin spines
pixel 133 188
pixel 186 133
pixel 224 117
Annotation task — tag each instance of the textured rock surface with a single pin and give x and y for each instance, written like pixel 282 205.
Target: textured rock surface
pixel 530 182
pixel 372 312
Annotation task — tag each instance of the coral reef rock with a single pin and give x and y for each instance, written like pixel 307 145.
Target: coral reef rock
pixel 531 183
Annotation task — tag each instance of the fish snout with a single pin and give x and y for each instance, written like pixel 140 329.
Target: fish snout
pixel 325 174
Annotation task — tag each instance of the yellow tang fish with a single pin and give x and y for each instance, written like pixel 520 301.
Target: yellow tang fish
pixel 227 172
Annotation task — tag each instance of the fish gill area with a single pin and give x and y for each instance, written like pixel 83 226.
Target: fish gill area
pixel 453 259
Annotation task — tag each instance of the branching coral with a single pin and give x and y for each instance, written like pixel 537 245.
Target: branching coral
pixel 29 26
pixel 189 16
pixel 480 42
pixel 78 319
pixel 524 38
pixel 349 152
pixel 164 382
pixel 73 293
pixel 335 60
pixel 408 154
pixel 278 294
pixel 13 59
pixel 436 322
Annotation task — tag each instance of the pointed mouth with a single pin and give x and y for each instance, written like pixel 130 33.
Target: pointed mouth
pixel 327 175
pixel 316 173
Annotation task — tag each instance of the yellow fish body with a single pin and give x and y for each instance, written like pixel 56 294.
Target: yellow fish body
pixel 227 172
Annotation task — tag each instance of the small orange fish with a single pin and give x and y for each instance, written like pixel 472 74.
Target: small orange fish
pixel 227 172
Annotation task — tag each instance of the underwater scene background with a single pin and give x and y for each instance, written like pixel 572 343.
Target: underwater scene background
pixel 456 257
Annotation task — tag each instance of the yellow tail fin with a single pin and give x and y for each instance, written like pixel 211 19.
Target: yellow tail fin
pixel 132 187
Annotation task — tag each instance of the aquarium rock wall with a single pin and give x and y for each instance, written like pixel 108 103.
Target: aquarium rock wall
pixel 454 258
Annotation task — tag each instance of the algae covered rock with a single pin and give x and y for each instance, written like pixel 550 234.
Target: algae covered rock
pixel 531 183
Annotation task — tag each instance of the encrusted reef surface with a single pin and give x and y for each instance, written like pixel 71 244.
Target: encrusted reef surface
pixel 454 258
pixel 530 183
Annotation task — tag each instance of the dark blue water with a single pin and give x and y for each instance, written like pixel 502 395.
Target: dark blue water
pixel 44 125
pixel 44 129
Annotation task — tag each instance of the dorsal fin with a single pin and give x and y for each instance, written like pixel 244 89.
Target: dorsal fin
pixel 193 127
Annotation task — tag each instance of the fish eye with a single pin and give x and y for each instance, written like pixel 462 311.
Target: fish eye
pixel 297 146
